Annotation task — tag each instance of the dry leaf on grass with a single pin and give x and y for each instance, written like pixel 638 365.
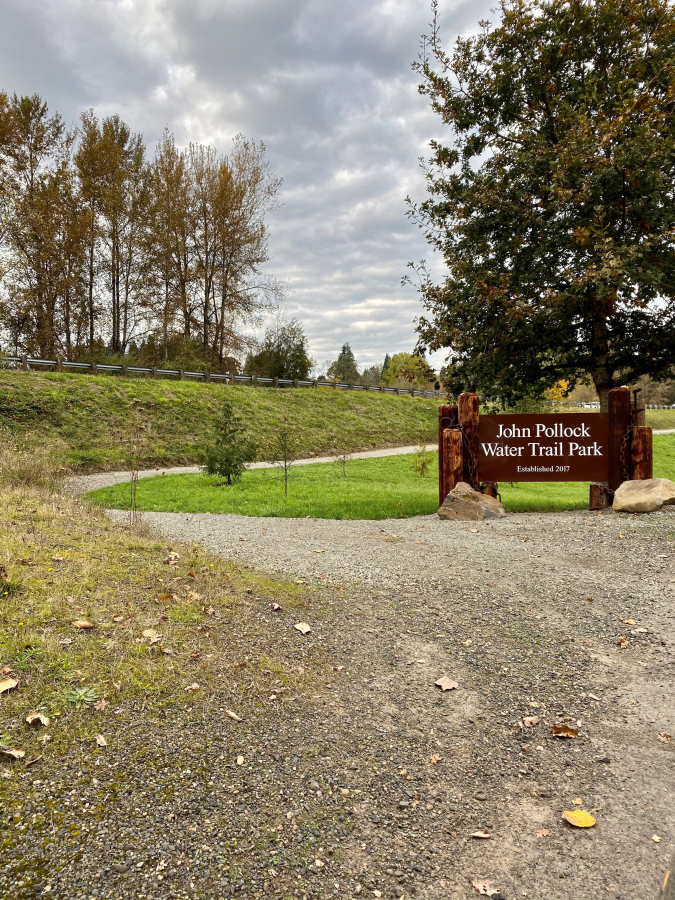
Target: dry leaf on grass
pixel 191 688
pixel 483 887
pixel 480 834
pixel 240 760
pixel 100 705
pixel 564 731
pixel 578 818
pixel 193 597
pixel 38 717
pixel 171 559
pixel 13 754
pixel 83 624
pixel 101 741
pixel 530 721
pixel 275 607
pixel 231 715
pixel 302 627
pixel 543 832
pixel 7 684
pixel 152 636
pixel 117 685
pixel 45 739
pixel 664 737
pixel 446 684
pixel 118 619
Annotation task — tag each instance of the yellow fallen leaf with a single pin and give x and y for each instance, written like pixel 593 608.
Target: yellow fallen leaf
pixel 664 737
pixel 152 636
pixel 564 731
pixel 656 839
pixel 83 623
pixel 446 684
pixel 37 717
pixel 7 684
pixel 578 818
pixel 578 801
pixel 629 621
pixel 318 551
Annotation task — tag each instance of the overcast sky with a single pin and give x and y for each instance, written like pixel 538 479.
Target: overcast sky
pixel 326 85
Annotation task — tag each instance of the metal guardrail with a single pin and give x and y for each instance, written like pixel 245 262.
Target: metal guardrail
pixel 61 365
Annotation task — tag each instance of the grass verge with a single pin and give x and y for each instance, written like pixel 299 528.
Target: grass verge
pixel 153 622
pixel 372 489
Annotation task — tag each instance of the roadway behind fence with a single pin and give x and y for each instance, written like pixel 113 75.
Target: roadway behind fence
pixel 94 368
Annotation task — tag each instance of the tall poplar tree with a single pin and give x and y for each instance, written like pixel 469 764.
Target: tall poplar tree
pixel 552 201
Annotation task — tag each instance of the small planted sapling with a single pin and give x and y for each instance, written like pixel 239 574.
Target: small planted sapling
pixel 231 449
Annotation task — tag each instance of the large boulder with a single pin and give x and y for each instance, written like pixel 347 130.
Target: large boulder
pixel 644 496
pixel 465 505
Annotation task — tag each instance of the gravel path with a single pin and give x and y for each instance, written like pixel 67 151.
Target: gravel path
pixel 525 614
pixel 82 484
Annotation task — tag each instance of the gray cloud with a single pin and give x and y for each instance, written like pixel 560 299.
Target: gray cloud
pixel 328 87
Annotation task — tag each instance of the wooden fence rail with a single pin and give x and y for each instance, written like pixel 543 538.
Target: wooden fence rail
pixel 96 368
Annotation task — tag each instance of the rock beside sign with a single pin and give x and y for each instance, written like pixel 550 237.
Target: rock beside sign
pixel 466 505
pixel 644 496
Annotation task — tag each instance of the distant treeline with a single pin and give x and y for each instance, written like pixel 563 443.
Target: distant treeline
pixel 104 249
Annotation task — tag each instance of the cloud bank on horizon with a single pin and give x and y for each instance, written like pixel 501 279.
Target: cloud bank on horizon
pixel 329 89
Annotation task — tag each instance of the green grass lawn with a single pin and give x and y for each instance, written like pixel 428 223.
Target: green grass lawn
pixel 373 489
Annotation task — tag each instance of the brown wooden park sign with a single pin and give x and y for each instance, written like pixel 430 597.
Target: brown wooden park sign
pixel 605 449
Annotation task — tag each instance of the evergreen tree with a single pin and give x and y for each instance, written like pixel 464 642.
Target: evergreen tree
pixel 345 368
pixel 231 449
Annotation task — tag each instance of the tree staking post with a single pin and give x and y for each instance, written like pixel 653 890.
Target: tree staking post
pixel 468 405
pixel 447 417
pixel 619 437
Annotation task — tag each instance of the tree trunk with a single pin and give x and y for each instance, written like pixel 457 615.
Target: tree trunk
pixel 602 375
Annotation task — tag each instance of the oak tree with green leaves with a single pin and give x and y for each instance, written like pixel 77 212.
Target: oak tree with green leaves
pixel 552 203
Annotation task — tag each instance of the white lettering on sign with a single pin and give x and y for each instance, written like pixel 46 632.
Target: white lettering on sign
pixel 539 449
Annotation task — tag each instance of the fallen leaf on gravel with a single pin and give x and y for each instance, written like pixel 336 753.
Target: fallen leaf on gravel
pixel 210 611
pixel 275 607
pixel 7 684
pixel 473 530
pixel 534 704
pixel 664 737
pixel 530 721
pixel 629 621
pixel 240 760
pixel 231 715
pixel 564 731
pixel 152 636
pixel 578 818
pixel 543 832
pixel 484 887
pixel 301 581
pixel 101 741
pixel 83 623
pixel 318 551
pixel 622 642
pixel 435 758
pixel 191 688
pixel 338 668
pixel 302 627
pixel 590 599
pixel 100 705
pixel 578 801
pixel 14 754
pixel 480 834
pixel 37 717
pixel 656 838
pixel 446 684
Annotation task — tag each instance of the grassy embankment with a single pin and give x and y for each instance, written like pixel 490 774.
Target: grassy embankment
pixel 372 489
pixel 88 422
pixel 62 561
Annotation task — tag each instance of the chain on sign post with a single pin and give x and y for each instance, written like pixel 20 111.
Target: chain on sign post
pixel 605 449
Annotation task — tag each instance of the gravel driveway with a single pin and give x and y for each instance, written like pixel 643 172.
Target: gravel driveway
pixel 542 620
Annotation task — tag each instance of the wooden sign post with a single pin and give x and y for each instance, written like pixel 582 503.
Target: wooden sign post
pixel 605 449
